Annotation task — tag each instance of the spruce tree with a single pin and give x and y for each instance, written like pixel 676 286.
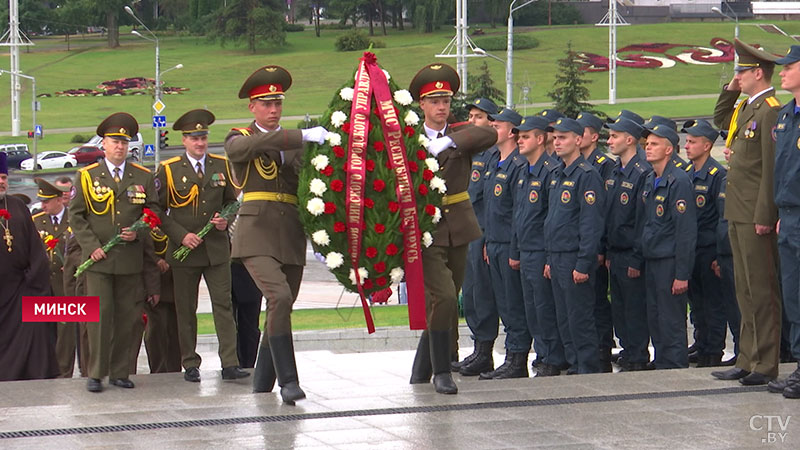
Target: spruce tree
pixel 570 93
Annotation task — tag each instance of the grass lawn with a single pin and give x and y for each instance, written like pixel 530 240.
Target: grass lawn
pixel 327 318
pixel 214 73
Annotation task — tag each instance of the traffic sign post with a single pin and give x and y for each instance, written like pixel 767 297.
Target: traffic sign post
pixel 149 150
pixel 38 131
pixel 159 121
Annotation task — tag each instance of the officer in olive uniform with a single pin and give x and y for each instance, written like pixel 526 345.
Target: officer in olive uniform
pixel 527 248
pixel 161 333
pixel 597 157
pixel 624 255
pixel 669 233
pixel 573 230
pixel 444 261
pixel 498 192
pixel 705 291
pixel 480 309
pixel 751 212
pixel 193 188
pixel 269 237
pixel 151 280
pixel 109 197
pixel 53 226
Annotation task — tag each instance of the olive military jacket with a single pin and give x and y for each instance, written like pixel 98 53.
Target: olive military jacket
pixel 95 223
pixel 188 202
pixel 459 225
pixel 45 227
pixel 749 190
pixel 267 163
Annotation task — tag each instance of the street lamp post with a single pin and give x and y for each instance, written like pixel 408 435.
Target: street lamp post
pixel 34 107
pixel 735 18
pixel 510 52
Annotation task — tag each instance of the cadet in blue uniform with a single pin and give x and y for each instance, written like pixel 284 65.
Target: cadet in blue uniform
pixel 654 121
pixel 669 232
pixel 602 307
pixel 577 199
pixel 498 194
pixel 551 115
pixel 705 290
pixel 624 255
pixel 531 193
pixel 638 120
pixel 723 268
pixel 480 309
pixel 787 198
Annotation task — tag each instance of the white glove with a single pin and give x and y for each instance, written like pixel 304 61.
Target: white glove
pixel 316 134
pixel 439 145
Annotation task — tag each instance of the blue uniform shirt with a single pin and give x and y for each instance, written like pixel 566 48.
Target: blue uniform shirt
pixel 499 197
pixel 530 205
pixel 669 226
pixel 723 240
pixel 787 157
pixel 480 165
pixel 574 220
pixel 624 191
pixel 602 162
pixel 707 182
pixel 680 162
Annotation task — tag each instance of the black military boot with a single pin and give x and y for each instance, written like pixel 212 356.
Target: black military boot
pixel 264 373
pixel 517 369
pixel 282 351
pixel 492 374
pixel 547 370
pixel 483 361
pixel 440 362
pixel 605 361
pixel 709 361
pixel 422 371
pixel 456 366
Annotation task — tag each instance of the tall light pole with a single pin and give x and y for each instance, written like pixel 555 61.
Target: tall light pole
pixel 34 108
pixel 735 18
pixel 510 53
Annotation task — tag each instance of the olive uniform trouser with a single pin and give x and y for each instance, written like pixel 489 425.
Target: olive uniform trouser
pixel 66 343
pixel 280 284
pixel 443 268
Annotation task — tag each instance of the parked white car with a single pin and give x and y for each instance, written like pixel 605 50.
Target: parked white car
pixel 50 160
pixel 134 147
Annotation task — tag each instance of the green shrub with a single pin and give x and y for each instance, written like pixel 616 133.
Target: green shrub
pixel 335 26
pixel 79 139
pixel 356 40
pixel 293 27
pixel 312 122
pixel 499 43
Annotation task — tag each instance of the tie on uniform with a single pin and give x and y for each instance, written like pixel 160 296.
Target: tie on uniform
pixel 199 170
pixel 439 134
pixel 117 179
pixel 55 221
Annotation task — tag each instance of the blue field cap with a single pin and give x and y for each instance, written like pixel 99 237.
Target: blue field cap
pixel 507 115
pixel 551 115
pixel 793 55
pixel 568 125
pixel 626 114
pixel 532 123
pixel 626 126
pixel 664 131
pixel 660 120
pixel 485 105
pixel 702 128
pixel 589 120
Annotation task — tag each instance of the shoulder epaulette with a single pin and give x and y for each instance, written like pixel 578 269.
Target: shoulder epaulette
pixel 90 166
pixel 140 167
pixel 670 178
pixel 585 167
pixel 773 102
pixel 678 163
pixel 217 156
pixel 171 160
pixel 244 131
pixel 713 170
pixel 640 168
pixel 688 168
pixel 601 159
pixel 520 161
pixel 40 214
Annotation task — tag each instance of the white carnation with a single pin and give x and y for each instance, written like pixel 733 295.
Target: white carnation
pixel 317 186
pixel 320 161
pixel 346 94
pixel 316 206
pixel 338 118
pixel 411 118
pixel 388 77
pixel 334 260
pixel 423 140
pixel 396 275
pixel 321 238
pixel 403 97
pixel 362 274
pixel 334 139
pixel 438 184
pixel 432 164
pixel 427 239
pixel 437 216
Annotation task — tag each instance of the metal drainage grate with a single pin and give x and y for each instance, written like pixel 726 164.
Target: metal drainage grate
pixel 375 412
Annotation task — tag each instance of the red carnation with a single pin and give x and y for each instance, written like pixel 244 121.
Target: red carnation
pixel 369 203
pixel 380 228
pixel 338 151
pixel 421 155
pixel 427 175
pixel 372 252
pixel 378 146
pixel 412 166
pixel 380 281
pixel 330 208
pixel 391 249
pixel 346 127
pixel 430 209
pixel 379 267
pixel 370 165
pixel 423 190
pixel 338 227
pixel 394 207
pixel 337 185
pixel 409 131
pixel 5 214
pixel 388 164
pixel 367 284
pixel 378 185
pixel 327 171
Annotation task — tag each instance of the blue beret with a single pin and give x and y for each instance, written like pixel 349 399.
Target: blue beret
pixel 701 128
pixel 589 120
pixel 568 125
pixel 532 123
pixel 484 104
pixel 507 115
pixel 626 126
